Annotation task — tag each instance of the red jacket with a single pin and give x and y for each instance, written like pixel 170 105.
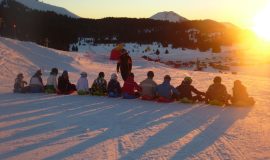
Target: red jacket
pixel 130 86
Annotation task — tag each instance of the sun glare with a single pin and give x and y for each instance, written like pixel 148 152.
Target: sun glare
pixel 262 23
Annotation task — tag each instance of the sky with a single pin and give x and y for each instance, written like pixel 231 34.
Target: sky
pixel 238 12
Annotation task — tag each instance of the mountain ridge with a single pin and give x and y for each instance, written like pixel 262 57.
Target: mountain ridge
pixel 41 6
pixel 168 16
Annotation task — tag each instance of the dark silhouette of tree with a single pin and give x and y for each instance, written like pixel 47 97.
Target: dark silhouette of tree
pixel 61 31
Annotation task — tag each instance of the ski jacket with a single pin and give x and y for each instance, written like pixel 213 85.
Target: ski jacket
pixel 124 63
pixel 186 90
pixel 99 85
pixel 36 81
pixel 166 90
pixel 217 92
pixel 125 66
pixel 19 85
pixel 240 93
pixel 82 84
pixel 64 84
pixel 114 87
pixel 52 81
pixel 148 87
pixel 130 86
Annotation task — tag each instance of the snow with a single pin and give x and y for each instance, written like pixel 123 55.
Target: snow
pixel 41 126
pixel 168 16
pixel 41 6
pixel 248 65
pixel 136 50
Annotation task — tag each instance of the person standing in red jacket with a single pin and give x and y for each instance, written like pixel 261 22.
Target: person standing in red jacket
pixel 131 89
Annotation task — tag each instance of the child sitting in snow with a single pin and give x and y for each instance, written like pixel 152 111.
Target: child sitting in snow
pixel 240 95
pixel 185 92
pixel 114 88
pixel 82 84
pixel 99 86
pixel 217 93
pixel 148 87
pixel 165 91
pixel 64 85
pixel 129 88
pixel 19 85
pixel 51 86
pixel 36 83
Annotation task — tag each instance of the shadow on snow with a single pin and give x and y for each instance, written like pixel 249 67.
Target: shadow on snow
pixel 77 114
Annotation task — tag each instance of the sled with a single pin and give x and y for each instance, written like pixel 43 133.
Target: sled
pixel 113 95
pixel 50 91
pixel 165 100
pixel 216 103
pixel 128 96
pixel 148 98
pixel 186 100
pixel 82 93
pixel 66 93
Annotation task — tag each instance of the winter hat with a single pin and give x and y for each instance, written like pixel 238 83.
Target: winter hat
pixel 84 74
pixel 114 76
pixel 188 80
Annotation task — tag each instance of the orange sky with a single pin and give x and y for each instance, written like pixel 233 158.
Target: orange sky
pixel 238 12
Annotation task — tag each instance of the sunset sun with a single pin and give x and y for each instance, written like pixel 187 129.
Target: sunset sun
pixel 262 23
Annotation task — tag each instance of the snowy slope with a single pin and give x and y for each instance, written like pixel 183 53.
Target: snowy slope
pixel 40 126
pixel 168 16
pixel 37 5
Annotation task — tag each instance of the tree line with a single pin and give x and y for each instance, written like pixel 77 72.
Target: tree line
pixel 59 31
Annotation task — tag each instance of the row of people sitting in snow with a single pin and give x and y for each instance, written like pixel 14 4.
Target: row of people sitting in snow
pixel 147 90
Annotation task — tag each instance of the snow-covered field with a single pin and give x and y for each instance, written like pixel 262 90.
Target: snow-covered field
pixel 41 126
pixel 239 58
